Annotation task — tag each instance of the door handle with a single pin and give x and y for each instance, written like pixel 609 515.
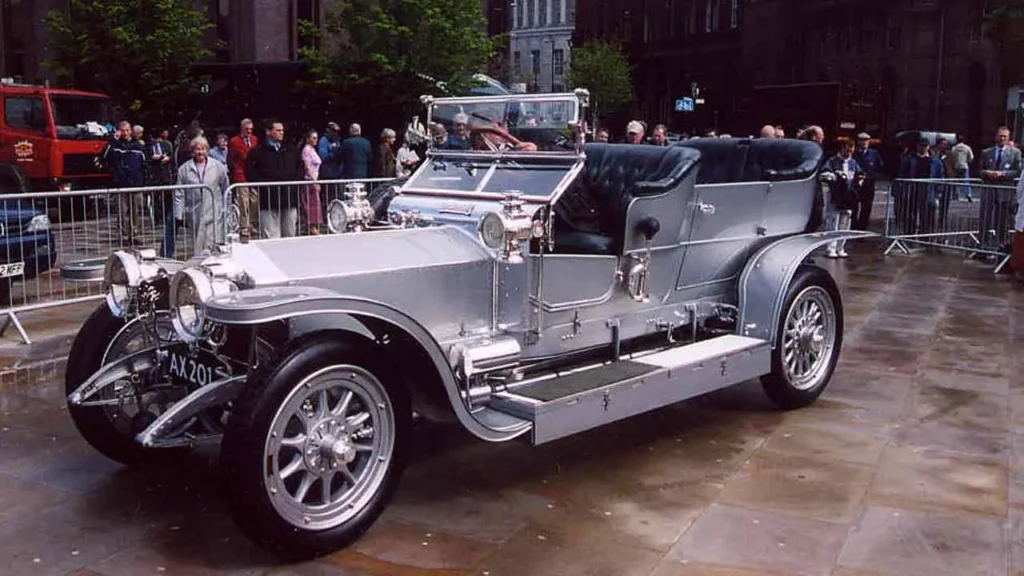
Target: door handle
pixel 706 208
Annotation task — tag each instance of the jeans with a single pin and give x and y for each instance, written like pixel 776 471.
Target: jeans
pixel 167 243
pixel 281 223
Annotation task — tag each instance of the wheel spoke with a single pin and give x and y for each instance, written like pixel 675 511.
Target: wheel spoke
pixel 343 404
pixel 322 404
pixel 294 466
pixel 357 420
pixel 307 481
pixel 347 474
pixel 294 441
pixel 325 487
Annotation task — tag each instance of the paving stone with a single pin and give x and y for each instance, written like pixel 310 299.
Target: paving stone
pixel 955 419
pixel 945 482
pixel 895 541
pixel 758 540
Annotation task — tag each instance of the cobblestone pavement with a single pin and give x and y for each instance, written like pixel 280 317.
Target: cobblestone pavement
pixel 912 463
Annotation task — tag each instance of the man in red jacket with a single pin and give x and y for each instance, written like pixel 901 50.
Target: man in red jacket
pixel 238 153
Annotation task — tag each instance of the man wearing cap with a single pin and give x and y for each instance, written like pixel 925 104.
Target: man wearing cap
pixel 329 150
pixel 634 132
pixel 870 161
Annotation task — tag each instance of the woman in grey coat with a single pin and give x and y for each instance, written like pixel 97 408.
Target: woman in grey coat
pixel 202 207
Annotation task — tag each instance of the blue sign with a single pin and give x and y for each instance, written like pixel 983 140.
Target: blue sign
pixel 684 105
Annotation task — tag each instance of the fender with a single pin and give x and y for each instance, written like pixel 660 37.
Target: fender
pixel 261 305
pixel 767 275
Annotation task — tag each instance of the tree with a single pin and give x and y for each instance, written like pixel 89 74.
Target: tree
pixel 602 68
pixel 386 53
pixel 139 52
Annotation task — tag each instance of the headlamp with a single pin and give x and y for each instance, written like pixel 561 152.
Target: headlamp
pixel 191 289
pixel 122 276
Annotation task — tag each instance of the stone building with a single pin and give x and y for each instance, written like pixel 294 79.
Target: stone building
pixel 938 70
pixel 541 40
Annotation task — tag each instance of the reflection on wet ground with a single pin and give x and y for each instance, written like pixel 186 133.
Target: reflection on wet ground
pixel 911 463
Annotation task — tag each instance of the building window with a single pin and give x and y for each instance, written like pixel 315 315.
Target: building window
pixel 542 12
pixel 304 11
pixel 535 64
pixel 711 11
pixel 556 12
pixel 558 62
pixel 517 63
pixel 220 11
pixel 647 28
pixel 734 14
pixel 25 114
pixel 529 12
pixel 515 14
pixel 893 35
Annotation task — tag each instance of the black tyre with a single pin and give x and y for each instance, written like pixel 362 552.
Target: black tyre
pixel 808 340
pixel 110 430
pixel 315 448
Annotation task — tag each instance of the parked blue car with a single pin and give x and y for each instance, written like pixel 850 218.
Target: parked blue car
pixel 26 242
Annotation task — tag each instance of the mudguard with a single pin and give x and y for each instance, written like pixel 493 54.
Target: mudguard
pixel 261 305
pixel 766 277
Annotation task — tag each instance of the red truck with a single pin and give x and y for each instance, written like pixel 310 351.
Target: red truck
pixel 52 136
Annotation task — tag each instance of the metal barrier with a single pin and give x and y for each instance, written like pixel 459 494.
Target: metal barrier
pixel 965 215
pixel 42 232
pixel 263 210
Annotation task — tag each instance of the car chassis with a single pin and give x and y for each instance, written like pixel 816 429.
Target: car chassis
pixel 521 294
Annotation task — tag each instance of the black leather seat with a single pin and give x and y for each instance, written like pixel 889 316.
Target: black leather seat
pixel 613 175
pixel 728 160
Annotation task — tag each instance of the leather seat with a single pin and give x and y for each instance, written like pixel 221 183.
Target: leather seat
pixel 613 175
pixel 729 160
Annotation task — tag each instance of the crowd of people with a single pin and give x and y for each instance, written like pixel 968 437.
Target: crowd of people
pixel 197 176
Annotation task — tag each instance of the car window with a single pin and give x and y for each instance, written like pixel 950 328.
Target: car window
pixel 24 113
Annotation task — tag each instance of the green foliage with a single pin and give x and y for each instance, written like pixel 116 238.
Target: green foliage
pixel 140 52
pixel 380 51
pixel 602 68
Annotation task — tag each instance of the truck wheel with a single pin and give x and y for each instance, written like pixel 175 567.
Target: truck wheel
pixel 808 340
pixel 315 447
pixel 111 429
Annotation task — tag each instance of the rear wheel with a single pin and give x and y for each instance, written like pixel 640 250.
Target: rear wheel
pixel 808 340
pixel 314 449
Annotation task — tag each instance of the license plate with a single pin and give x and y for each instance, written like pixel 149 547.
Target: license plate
pixel 12 269
pixel 197 368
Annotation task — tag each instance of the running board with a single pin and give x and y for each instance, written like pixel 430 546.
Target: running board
pixel 576 401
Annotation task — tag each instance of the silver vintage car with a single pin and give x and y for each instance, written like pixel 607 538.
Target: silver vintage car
pixel 521 283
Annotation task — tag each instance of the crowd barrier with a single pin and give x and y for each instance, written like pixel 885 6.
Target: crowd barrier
pixel 965 215
pixel 43 233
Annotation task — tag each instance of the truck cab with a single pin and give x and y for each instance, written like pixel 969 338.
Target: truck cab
pixel 54 135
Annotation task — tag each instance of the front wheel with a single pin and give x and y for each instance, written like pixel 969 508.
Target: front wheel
pixel 808 340
pixel 314 450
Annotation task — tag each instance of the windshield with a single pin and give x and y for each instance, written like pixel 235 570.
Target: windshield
pixel 80 117
pixel 536 181
pixel 520 123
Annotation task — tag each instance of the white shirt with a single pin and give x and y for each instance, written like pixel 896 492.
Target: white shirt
pixel 1018 222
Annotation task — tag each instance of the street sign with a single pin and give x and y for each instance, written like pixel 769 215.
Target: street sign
pixel 684 105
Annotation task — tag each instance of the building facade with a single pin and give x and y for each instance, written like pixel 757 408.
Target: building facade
pixel 540 43
pixel 938 70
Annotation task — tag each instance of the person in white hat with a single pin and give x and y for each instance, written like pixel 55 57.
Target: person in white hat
pixel 635 132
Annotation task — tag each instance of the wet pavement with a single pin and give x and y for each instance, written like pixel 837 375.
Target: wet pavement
pixel 912 463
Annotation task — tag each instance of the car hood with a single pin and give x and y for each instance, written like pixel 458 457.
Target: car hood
pixel 316 259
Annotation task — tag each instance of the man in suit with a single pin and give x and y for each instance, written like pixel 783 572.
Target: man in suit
pixel 1000 164
pixel 355 154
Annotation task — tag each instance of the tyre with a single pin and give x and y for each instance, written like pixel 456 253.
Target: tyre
pixel 314 449
pixel 808 340
pixel 111 429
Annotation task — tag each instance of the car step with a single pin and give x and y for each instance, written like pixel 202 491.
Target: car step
pixel 586 398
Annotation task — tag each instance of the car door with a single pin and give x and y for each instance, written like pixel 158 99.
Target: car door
pixel 728 220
